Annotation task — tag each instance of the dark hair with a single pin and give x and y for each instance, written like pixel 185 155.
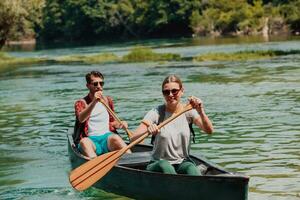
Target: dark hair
pixel 170 79
pixel 93 73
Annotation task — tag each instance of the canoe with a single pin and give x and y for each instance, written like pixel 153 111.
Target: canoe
pixel 129 178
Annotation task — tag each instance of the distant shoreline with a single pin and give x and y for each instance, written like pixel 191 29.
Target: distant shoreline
pixel 32 41
pixel 20 42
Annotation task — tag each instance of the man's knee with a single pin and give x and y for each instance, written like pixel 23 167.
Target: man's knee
pixel 87 147
pixel 115 139
pixel 115 142
pixel 86 143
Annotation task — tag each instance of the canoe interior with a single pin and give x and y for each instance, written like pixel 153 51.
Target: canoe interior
pixel 129 178
pixel 141 156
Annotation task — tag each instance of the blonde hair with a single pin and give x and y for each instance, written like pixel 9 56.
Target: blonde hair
pixel 170 79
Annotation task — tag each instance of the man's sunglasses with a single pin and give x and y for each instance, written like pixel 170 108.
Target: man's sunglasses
pixel 98 82
pixel 168 92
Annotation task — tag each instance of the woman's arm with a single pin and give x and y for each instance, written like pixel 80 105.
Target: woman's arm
pixel 143 128
pixel 203 122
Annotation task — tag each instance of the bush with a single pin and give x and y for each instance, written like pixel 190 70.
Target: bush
pixel 142 54
pixel 88 59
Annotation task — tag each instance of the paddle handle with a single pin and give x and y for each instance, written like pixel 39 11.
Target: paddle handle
pixel 115 117
pixel 174 116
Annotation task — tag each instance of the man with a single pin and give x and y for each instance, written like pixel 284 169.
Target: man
pixel 94 125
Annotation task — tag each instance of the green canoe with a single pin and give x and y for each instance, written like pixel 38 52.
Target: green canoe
pixel 129 178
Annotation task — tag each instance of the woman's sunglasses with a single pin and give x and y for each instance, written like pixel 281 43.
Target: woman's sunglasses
pixel 98 82
pixel 168 92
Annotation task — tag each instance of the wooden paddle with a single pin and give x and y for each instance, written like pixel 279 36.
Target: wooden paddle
pixel 90 172
pixel 115 117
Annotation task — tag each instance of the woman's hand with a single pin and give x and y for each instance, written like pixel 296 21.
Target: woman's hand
pixel 195 102
pixel 153 129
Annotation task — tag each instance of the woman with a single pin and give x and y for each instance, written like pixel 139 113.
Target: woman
pixel 171 146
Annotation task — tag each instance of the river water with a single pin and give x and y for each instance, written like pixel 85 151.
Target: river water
pixel 254 105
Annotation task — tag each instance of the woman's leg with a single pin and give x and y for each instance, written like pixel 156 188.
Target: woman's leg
pixel 188 167
pixel 161 166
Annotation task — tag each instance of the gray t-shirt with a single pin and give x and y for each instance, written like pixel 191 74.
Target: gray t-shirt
pixel 173 140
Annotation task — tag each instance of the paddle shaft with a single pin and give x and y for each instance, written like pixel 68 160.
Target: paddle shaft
pixel 115 117
pixel 90 172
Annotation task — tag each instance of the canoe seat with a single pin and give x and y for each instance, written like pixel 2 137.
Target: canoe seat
pixel 137 158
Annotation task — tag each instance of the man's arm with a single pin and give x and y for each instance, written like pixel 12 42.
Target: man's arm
pixel 83 115
pixel 84 112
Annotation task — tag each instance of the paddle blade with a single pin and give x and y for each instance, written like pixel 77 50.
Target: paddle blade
pixel 90 172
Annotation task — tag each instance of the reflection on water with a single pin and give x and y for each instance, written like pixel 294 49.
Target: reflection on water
pixel 254 106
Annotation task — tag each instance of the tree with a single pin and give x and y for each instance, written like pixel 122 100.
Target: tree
pixel 18 19
pixel 11 15
pixel 291 13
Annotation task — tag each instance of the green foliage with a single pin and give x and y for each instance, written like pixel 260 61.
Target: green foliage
pixel 78 19
pixel 226 17
pixel 74 20
pixel 18 19
pixel 291 13
pixel 243 55
pixel 11 13
pixel 138 54
pixel 34 9
pixel 144 54
pixel 4 56
pixel 52 20
pixel 7 61
pixel 88 59
pixel 159 18
pixel 199 24
pixel 81 19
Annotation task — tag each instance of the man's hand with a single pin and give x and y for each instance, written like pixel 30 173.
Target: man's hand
pixel 97 96
pixel 123 125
